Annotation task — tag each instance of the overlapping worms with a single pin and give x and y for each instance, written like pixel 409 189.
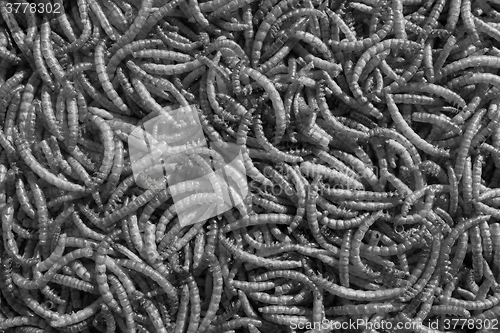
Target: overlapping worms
pixel 370 136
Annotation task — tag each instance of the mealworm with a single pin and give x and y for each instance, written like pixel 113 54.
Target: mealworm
pixel 155 276
pixel 158 69
pixel 309 169
pixel 40 170
pixel 312 217
pixel 194 299
pixel 135 28
pixel 84 229
pixel 473 61
pixel 151 310
pixel 98 14
pixel 8 238
pixel 182 315
pixel 264 28
pixel 314 41
pixel 175 41
pixel 55 256
pixel 157 83
pixel 293 13
pixel 344 258
pixel 409 133
pixel 119 290
pixel 20 321
pixel 439 120
pixel 140 201
pixel 79 316
pixel 12 82
pixel 29 284
pixel 472 129
pixel 257 220
pixel 277 154
pixel 333 122
pixel 446 94
pixel 358 295
pixel 40 64
pixel 162 54
pixel 128 49
pixel 24 201
pixel 399 44
pixel 245 256
pixel 427 272
pixel 17 33
pixel 109 148
pixel 477 252
pixel 275 99
pixel 104 79
pixel 471 305
pixel 50 57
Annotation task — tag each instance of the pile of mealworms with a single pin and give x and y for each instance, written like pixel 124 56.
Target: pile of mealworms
pixel 370 136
